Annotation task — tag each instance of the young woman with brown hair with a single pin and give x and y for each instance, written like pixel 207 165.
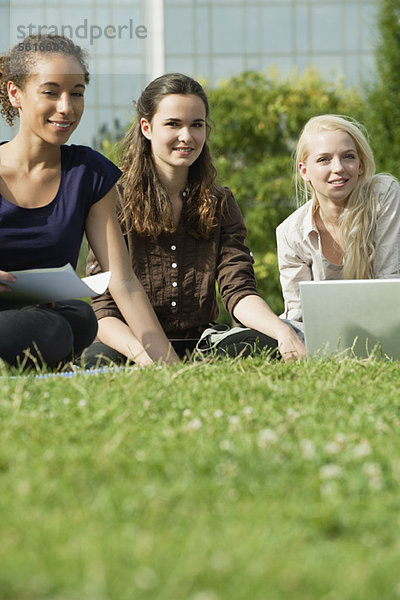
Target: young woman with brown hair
pixel 184 233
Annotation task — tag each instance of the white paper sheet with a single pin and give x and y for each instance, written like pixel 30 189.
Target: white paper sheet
pixel 37 286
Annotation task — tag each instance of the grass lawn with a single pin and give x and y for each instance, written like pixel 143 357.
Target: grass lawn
pixel 229 480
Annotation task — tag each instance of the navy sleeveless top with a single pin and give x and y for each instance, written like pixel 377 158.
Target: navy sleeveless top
pixel 51 235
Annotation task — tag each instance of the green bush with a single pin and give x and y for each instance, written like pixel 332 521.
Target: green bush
pixel 383 116
pixel 267 273
pixel 258 119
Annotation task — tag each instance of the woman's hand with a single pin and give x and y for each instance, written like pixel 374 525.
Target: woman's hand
pixel 4 279
pixel 290 345
pixel 252 311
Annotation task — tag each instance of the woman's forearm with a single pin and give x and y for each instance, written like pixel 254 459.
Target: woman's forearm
pixel 252 311
pixel 118 335
pixel 139 315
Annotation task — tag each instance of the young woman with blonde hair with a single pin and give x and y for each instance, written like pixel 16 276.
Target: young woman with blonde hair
pixel 349 224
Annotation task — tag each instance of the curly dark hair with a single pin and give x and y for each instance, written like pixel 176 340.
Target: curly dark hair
pixel 18 64
pixel 146 205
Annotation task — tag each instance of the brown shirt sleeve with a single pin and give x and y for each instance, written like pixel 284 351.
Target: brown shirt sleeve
pixel 235 273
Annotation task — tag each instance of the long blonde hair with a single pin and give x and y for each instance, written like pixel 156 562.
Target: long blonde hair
pixel 358 219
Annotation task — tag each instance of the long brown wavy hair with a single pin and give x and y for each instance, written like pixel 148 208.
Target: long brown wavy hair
pixel 147 208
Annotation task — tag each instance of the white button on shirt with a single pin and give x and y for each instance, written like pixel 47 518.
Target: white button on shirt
pixel 173 247
pixel 174 265
pixel 173 303
pixel 174 284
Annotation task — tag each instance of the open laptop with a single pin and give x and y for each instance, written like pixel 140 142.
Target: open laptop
pixel 361 317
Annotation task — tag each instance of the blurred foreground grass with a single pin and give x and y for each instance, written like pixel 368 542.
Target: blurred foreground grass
pixel 211 481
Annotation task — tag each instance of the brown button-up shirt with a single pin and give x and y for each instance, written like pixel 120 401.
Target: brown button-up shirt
pixel 178 272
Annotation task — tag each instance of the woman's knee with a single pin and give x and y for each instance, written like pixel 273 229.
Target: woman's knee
pixel 34 335
pixel 82 321
pixel 100 355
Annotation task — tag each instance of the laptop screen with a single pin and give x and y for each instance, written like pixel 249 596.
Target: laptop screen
pixel 359 317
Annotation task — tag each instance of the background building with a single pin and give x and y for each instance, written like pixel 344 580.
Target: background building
pixel 131 41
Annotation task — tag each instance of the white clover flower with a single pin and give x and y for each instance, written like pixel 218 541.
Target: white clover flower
pixel 187 412
pixel 292 414
pixel 362 449
pixel 307 448
pixel 374 473
pixel 234 423
pixel 82 403
pixel 332 447
pixel 193 425
pixel 372 469
pixel 226 445
pixel 266 437
pixel 247 411
pixel 330 471
pixel 218 413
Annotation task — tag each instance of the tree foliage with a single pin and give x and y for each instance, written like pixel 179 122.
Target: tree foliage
pixel 383 92
pixel 258 119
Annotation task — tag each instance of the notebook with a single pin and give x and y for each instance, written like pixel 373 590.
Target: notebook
pixel 358 317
